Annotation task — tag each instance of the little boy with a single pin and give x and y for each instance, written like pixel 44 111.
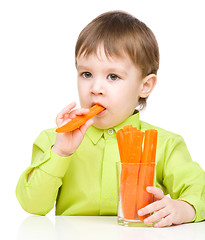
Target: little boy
pixel 117 59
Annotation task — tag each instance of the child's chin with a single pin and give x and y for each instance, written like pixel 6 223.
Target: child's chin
pixel 102 125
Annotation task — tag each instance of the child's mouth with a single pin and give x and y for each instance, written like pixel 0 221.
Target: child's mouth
pixel 102 112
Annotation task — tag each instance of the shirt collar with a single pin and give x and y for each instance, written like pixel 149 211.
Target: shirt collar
pixel 95 133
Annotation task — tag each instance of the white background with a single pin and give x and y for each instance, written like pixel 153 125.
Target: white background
pixel 38 77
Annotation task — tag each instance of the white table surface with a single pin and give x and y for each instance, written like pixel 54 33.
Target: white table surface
pixel 100 228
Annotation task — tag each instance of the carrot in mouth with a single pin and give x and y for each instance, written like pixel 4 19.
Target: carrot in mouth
pixel 80 120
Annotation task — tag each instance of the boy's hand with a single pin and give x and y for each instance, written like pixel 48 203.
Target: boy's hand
pixel 67 143
pixel 167 211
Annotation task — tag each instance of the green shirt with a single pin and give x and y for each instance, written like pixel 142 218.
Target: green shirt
pixel 85 183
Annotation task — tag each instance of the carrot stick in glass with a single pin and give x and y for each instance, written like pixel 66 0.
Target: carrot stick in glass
pixel 120 139
pixel 150 146
pixel 128 189
pixel 127 142
pixel 136 146
pixel 121 146
pixel 146 174
pixel 132 150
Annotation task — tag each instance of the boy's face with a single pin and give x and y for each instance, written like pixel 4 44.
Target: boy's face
pixel 114 83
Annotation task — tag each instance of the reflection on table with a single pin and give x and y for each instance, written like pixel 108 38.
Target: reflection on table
pixel 100 227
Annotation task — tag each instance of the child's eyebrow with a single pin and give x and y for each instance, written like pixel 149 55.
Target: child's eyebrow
pixel 110 70
pixel 117 70
pixel 81 67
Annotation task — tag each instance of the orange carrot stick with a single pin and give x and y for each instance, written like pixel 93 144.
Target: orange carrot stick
pixel 80 120
pixel 128 189
pixel 150 145
pixel 120 139
pixel 146 174
pixel 136 147
pixel 131 152
pixel 130 186
pixel 127 128
pixel 121 146
pixel 127 143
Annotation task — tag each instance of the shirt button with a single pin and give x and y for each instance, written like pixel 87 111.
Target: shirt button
pixel 110 131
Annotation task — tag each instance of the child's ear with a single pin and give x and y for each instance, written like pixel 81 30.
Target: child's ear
pixel 148 84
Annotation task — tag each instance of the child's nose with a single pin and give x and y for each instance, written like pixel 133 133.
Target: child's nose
pixel 97 87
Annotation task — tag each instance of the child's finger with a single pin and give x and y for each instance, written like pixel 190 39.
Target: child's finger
pixel 78 112
pixel 163 213
pixel 63 122
pixel 157 192
pixel 155 206
pixel 165 222
pixel 67 109
pixel 85 126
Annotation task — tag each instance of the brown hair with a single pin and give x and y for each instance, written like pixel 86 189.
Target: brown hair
pixel 121 33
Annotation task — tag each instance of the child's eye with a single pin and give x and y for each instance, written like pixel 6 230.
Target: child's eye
pixel 87 75
pixel 113 77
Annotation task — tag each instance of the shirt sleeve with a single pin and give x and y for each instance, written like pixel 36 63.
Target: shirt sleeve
pixel 184 178
pixel 38 195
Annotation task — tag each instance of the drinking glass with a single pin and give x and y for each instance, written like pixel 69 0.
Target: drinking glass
pixel 133 178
